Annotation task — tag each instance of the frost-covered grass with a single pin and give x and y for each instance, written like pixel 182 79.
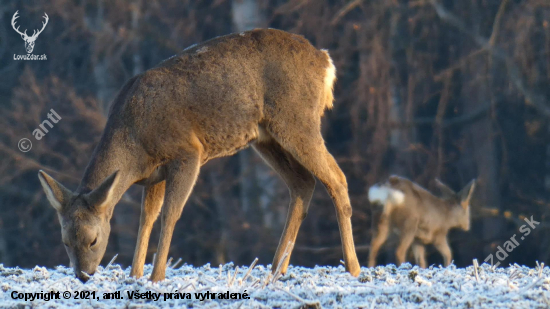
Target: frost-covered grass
pixel 326 287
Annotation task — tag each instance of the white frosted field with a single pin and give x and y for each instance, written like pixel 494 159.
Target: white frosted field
pixel 319 287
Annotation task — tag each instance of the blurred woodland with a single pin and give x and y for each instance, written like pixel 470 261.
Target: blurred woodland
pixel 450 89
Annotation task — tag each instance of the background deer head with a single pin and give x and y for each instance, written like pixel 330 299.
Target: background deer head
pixel 29 40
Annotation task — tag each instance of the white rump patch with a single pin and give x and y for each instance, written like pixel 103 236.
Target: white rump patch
pixel 383 195
pixel 330 77
pixel 242 34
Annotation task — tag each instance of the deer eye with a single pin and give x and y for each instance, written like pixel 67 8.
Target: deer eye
pixel 93 242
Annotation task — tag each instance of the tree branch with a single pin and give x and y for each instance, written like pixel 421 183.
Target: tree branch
pixel 533 98
pixel 343 11
pixel 476 114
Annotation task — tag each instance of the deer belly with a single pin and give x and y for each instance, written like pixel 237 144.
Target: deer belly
pixel 424 235
pixel 225 127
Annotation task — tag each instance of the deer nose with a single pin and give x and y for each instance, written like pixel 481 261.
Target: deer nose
pixel 83 279
pixel 83 276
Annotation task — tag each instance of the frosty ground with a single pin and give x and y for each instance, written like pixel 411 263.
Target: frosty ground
pixel 319 287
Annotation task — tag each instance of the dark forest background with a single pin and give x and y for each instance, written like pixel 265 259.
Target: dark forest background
pixel 450 89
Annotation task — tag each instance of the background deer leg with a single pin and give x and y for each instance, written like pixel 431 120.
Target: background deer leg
pixel 379 236
pixel 419 252
pixel 151 203
pixel 405 240
pixel 180 179
pixel 301 184
pixel 442 246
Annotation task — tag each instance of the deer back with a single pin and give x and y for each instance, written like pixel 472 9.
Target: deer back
pixel 216 94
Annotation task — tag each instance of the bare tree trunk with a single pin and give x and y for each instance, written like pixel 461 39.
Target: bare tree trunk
pixel 541 41
pixel 136 58
pixel 100 65
pixel 481 155
pixel 256 187
pixel 246 16
pixel 400 93
pixel 399 138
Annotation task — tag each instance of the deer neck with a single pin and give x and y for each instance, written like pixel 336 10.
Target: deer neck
pixel 454 216
pixel 116 151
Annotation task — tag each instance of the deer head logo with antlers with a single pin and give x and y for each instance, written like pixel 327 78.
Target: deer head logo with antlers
pixel 29 40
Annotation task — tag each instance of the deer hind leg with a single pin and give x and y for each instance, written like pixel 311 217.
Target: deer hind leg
pixel 419 252
pixel 151 204
pixel 380 234
pixel 180 179
pixel 442 245
pixel 307 146
pixel 301 184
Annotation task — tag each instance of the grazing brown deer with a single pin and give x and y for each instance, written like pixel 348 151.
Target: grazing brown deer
pixel 419 217
pixel 265 88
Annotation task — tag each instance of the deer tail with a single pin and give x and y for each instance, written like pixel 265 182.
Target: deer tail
pixel 388 197
pixel 330 78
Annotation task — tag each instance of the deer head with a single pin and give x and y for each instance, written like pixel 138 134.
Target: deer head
pixel 84 221
pixel 462 198
pixel 29 40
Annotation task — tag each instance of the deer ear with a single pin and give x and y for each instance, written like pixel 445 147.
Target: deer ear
pixel 466 193
pixel 56 193
pixel 100 197
pixel 444 189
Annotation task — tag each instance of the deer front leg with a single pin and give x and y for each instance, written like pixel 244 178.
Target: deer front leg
pixel 180 179
pixel 151 203
pixel 404 244
pixel 442 245
pixel 406 238
pixel 419 252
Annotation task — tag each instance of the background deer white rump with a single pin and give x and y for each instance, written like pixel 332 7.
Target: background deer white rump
pixel 419 217
pixel 29 40
pixel 265 88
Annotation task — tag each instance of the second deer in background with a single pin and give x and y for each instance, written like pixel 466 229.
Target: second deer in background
pixel 419 217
